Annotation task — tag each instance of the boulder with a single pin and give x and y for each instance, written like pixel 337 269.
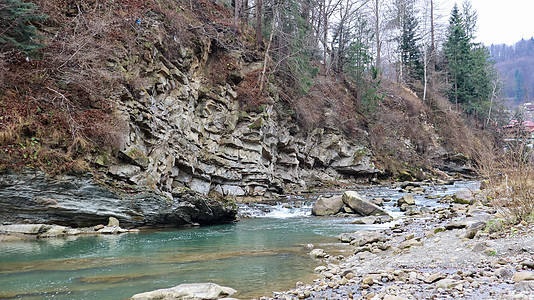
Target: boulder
pixel 463 196
pixel 327 206
pixel 198 291
pixel 407 199
pixel 361 205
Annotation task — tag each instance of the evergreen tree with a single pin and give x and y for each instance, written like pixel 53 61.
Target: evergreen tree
pixel 519 91
pixel 410 53
pixel 469 66
pixel 456 50
pixel 16 25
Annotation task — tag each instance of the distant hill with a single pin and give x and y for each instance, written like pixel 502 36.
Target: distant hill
pixel 516 65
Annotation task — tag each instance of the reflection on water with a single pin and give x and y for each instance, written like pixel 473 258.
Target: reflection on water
pixel 254 256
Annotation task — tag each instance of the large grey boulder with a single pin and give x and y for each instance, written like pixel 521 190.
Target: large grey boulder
pixel 327 206
pixel 189 291
pixel 464 196
pixel 361 205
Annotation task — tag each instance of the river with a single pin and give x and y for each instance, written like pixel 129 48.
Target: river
pixel 258 255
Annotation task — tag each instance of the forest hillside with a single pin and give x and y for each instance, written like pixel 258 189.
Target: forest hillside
pixel 239 101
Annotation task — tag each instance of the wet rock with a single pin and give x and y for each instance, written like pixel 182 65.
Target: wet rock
pixel 366 220
pixel 325 206
pixel 361 205
pixel 199 291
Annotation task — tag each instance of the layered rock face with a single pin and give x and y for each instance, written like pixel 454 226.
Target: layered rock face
pixel 79 201
pixel 184 132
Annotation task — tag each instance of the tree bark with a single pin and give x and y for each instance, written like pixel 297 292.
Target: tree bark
pixel 259 39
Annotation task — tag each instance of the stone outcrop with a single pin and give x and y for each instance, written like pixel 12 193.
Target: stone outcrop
pixel 197 291
pixel 186 132
pixel 79 201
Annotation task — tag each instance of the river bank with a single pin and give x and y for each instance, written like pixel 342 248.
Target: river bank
pixel 460 251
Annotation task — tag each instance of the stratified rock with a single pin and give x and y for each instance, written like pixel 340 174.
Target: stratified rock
pixel 361 205
pixel 198 291
pixel 327 206
pixel 79 201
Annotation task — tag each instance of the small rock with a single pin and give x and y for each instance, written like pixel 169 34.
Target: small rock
pixel 521 276
pixel 317 253
pixel 434 277
pixel 526 285
pixel 447 283
pixel 407 199
pixel 528 263
pixel 410 243
pixel 113 222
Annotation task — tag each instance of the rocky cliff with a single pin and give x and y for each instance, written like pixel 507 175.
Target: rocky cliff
pixel 185 131
pixel 173 113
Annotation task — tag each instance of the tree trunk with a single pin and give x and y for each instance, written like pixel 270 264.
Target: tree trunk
pixel 259 39
pixel 237 5
pixel 377 34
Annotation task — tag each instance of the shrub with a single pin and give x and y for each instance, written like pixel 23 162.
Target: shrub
pixel 509 174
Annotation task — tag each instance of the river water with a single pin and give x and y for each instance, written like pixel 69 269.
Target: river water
pixel 254 256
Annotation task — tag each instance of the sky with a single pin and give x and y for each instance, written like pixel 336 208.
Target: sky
pixel 501 21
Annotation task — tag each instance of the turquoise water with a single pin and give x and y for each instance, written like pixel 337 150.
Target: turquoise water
pixel 254 256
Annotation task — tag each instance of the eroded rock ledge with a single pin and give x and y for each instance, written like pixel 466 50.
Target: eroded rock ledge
pixel 80 201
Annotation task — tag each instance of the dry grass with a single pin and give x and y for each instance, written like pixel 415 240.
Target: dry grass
pixel 509 176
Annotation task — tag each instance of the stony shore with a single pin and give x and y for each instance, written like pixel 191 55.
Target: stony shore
pixel 461 251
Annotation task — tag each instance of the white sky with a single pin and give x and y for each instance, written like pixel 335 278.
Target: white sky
pixel 501 21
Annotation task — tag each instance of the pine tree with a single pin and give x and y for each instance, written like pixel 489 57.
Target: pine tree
pixel 410 52
pixel 16 25
pixel 519 92
pixel 457 55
